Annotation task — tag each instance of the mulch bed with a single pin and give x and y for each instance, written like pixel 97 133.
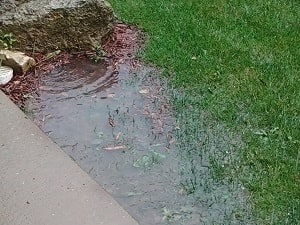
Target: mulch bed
pixel 120 47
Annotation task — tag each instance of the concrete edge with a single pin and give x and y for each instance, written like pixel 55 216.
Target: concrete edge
pixel 40 184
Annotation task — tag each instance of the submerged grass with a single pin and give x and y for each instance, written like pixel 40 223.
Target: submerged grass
pixel 237 61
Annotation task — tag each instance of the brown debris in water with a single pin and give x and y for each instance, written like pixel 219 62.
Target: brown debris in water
pixel 120 46
pixel 113 148
pixel 24 86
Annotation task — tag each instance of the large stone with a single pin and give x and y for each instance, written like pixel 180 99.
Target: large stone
pixel 6 5
pixel 18 61
pixel 48 25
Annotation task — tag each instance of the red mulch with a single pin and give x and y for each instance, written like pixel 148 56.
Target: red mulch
pixel 123 44
pixel 120 47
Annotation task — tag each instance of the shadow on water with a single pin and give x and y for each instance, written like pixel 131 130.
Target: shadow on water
pixel 117 126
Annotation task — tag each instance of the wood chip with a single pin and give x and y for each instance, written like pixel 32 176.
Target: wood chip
pixel 144 91
pixel 118 136
pixel 113 148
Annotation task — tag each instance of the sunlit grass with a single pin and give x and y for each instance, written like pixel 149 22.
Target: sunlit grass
pixel 238 61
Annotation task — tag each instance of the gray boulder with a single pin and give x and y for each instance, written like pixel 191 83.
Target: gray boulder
pixel 48 25
pixel 6 5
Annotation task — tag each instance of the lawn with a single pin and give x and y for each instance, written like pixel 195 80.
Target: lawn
pixel 237 62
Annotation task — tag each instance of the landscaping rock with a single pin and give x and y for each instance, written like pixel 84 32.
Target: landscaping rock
pixel 6 5
pixel 49 25
pixel 18 61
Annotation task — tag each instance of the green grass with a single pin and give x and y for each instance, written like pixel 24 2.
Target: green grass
pixel 238 61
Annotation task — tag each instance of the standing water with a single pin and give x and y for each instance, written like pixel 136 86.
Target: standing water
pixel 116 124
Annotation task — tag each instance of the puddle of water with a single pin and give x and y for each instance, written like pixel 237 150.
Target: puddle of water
pixel 117 127
pixel 114 127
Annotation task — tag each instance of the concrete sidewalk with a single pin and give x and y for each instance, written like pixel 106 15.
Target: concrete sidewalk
pixel 41 185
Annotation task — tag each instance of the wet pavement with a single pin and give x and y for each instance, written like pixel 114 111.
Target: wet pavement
pixel 40 184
